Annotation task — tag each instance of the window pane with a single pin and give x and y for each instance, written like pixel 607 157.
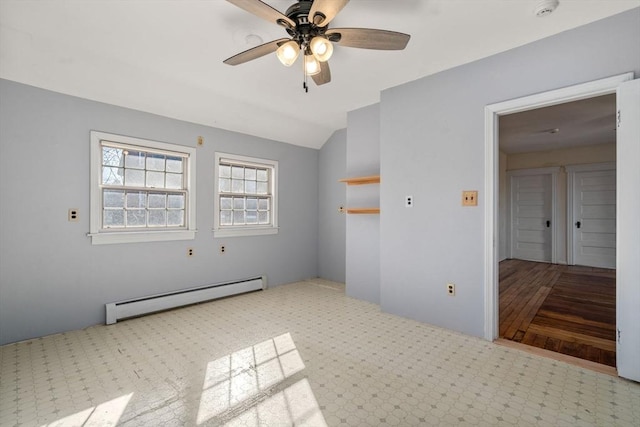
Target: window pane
pixel 225 171
pixel 225 218
pixel 174 180
pixel 174 164
pixel 225 203
pixel 250 174
pixel 157 200
pixel 237 186
pixel 113 218
pixel 155 162
pixel 250 187
pixel 112 156
pixel 155 179
pixel 225 185
pixel 175 218
pixel 237 172
pixel 136 218
pixel 252 204
pixel 157 218
pixel 112 176
pixel 113 198
pixel 252 217
pixel 263 217
pixel 134 178
pixel 262 175
pixel 175 201
pixel 136 200
pixel 238 203
pixel 134 159
pixel 262 188
pixel 263 204
pixel 238 217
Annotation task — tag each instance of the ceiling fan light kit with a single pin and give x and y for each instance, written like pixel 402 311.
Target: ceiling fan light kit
pixel 288 53
pixel 307 23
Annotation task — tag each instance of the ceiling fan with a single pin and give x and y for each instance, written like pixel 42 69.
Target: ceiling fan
pixel 307 23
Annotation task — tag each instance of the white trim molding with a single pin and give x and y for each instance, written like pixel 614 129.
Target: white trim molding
pixel 492 113
pixel 246 230
pixel 100 236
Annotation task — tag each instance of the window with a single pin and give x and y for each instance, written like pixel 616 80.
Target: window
pixel 141 190
pixel 245 203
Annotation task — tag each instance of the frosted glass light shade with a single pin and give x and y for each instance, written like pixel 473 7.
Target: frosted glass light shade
pixel 321 48
pixel 311 65
pixel 288 53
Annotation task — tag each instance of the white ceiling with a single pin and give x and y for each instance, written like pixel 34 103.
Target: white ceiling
pixel 586 122
pixel 165 57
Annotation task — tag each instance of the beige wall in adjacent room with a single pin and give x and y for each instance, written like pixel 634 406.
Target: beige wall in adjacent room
pixel 568 156
pixel 543 159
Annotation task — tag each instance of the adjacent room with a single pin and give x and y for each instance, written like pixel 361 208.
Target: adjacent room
pixel 201 223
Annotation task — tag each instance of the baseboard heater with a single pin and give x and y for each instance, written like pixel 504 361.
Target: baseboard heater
pixel 153 303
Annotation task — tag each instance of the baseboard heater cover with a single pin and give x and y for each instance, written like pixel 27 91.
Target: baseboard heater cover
pixel 153 303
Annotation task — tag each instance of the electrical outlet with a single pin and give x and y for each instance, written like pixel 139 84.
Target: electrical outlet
pixel 408 201
pixel 190 252
pixel 74 215
pixel 223 249
pixel 451 289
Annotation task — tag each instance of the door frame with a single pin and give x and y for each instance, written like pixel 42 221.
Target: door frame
pixel 571 174
pixel 551 171
pixel 492 113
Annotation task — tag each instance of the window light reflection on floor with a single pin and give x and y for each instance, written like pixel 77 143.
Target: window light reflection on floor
pixel 105 414
pixel 247 384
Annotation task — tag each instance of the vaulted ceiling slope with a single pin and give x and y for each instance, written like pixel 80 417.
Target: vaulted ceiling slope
pixel 166 57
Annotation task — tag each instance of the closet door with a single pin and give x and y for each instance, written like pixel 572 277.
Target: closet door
pixel 593 220
pixel 531 215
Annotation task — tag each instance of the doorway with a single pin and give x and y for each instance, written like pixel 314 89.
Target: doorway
pixel 627 271
pixel 549 303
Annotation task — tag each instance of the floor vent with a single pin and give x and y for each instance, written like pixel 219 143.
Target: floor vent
pixel 153 303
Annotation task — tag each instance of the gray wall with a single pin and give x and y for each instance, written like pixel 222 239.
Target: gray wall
pixel 332 224
pixel 432 146
pixel 363 231
pixel 52 279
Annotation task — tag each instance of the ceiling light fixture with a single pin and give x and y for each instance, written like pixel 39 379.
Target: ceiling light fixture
pixel 311 65
pixel 288 53
pixel 321 48
pixel 307 25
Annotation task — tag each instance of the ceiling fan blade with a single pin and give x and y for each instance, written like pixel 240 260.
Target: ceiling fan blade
pixel 323 11
pixel 264 11
pixel 255 52
pixel 324 76
pixel 368 38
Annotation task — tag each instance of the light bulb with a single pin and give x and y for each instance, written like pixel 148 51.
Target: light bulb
pixel 311 65
pixel 321 48
pixel 288 53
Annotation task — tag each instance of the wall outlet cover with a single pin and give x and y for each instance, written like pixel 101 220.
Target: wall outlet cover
pixel 470 198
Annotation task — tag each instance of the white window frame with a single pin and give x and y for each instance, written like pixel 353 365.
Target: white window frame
pixel 245 230
pixel 99 235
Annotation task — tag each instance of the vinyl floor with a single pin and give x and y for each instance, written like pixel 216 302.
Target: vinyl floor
pixel 297 354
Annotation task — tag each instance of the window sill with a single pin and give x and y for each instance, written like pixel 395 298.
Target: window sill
pixel 245 231
pixel 140 236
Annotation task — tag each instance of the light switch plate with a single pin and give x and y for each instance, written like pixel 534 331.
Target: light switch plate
pixel 469 198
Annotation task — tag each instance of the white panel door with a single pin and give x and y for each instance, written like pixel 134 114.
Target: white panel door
pixel 628 265
pixel 594 218
pixel 531 213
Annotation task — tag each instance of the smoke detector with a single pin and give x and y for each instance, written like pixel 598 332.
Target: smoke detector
pixel 546 8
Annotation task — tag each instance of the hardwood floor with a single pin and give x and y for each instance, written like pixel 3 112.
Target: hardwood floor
pixel 566 309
